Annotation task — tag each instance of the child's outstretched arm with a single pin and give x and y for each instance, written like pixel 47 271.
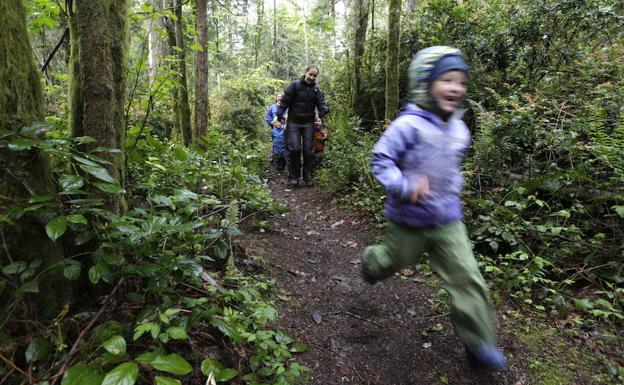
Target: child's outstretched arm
pixel 387 154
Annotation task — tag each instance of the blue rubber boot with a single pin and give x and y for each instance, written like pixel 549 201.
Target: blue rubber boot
pixel 368 278
pixel 488 357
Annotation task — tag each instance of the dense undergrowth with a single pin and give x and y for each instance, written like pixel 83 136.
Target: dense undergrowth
pixel 544 198
pixel 164 299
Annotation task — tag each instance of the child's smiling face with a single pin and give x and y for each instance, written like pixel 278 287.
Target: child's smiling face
pixel 448 90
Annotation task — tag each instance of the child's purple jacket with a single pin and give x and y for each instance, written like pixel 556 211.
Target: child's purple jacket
pixel 419 143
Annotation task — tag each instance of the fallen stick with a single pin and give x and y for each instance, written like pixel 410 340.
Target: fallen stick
pixel 74 348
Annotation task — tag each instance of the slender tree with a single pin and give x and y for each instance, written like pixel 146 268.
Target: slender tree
pixel 26 173
pixel 97 76
pixel 183 110
pixel 157 45
pixel 360 20
pixel 392 59
pixel 202 108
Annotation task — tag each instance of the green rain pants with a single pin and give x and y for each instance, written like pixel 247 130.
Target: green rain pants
pixel 451 257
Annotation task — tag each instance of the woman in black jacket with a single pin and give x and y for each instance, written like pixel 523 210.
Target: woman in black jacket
pixel 303 99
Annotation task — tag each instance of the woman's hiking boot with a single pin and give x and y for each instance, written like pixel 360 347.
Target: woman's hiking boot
pixel 488 357
pixel 308 182
pixel 293 182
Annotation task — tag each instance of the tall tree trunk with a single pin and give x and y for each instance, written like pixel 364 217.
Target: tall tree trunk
pixel 274 27
pixel 157 45
pixel 184 109
pixel 97 68
pixel 332 11
pixel 306 43
pixel 360 24
pixel 392 59
pixel 259 31
pixel 202 109
pixel 26 173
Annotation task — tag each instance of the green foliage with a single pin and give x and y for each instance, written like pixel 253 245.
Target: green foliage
pixel 171 249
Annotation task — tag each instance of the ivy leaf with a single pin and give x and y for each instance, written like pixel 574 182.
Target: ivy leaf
pixel 29 287
pixel 115 345
pixel 15 267
pixel 95 273
pixel 81 374
pixel 171 363
pixel 56 227
pixel 37 349
pixel 98 172
pixel 72 272
pixel 161 380
pixel 124 374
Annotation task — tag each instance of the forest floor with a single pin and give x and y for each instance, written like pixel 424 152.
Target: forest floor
pixel 393 333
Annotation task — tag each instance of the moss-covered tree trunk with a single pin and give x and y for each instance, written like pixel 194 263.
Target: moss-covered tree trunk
pixel 202 111
pixel 360 26
pixel 23 174
pixel 392 59
pixel 97 70
pixel 184 109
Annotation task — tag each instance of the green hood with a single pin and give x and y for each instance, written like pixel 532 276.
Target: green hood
pixel 419 71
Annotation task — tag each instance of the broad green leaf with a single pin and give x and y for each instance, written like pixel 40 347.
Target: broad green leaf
pixel 124 374
pixel 141 329
pixel 40 198
pixel 72 271
pixel 21 144
pixel 115 345
pixel 76 218
pixel 81 374
pixel 180 154
pixel 85 139
pixel 112 188
pixel 71 182
pixel 37 349
pixel 86 161
pixel 147 358
pixel 29 287
pixel 172 363
pixel 161 380
pixel 98 172
pixel 210 365
pixel 56 227
pixel 177 333
pixel 15 267
pixel 226 374
pixel 619 210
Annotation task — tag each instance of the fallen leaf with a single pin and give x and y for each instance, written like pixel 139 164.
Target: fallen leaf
pixel 426 345
pixel 316 317
pixel 336 224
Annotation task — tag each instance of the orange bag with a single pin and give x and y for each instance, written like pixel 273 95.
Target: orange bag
pixel 320 137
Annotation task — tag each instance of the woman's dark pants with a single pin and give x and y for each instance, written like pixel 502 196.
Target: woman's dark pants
pixel 300 141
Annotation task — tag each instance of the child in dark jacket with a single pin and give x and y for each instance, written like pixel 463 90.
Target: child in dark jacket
pixel 418 161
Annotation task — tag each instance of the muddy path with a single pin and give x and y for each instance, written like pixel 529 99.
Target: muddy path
pixel 392 333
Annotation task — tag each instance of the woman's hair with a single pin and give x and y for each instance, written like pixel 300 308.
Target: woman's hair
pixel 312 66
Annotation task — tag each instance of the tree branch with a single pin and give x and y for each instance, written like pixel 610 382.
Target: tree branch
pixel 58 45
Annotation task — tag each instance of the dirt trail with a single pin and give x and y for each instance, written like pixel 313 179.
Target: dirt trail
pixel 356 334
